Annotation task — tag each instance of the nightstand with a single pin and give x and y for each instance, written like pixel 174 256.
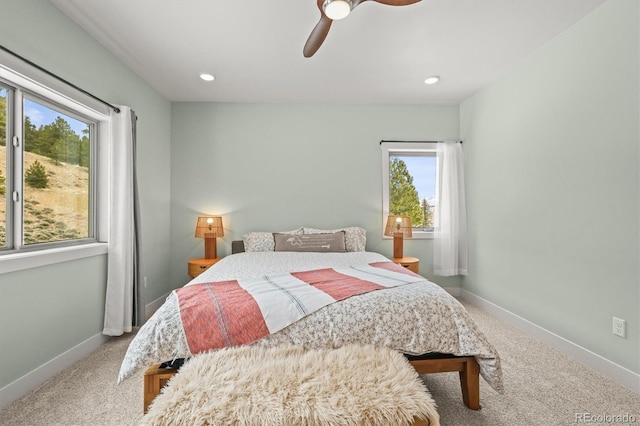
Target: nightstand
pixel 198 266
pixel 411 263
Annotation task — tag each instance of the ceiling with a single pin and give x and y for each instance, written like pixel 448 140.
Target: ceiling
pixel 378 54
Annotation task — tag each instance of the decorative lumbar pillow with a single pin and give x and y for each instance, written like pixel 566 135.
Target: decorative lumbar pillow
pixel 263 241
pixel 334 242
pixel 355 237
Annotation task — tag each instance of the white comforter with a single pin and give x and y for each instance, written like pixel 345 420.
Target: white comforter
pixel 414 318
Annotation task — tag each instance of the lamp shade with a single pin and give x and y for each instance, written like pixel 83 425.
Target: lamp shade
pixel 398 224
pixel 209 227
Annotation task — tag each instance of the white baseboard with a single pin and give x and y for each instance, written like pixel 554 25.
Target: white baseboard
pixel 41 374
pixel 151 307
pixel 454 291
pixel 609 368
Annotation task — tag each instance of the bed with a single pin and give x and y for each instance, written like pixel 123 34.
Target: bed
pixel 410 315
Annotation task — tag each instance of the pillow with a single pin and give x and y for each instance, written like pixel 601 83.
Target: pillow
pixel 355 237
pixel 263 241
pixel 311 242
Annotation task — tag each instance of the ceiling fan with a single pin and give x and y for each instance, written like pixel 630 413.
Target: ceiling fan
pixel 333 10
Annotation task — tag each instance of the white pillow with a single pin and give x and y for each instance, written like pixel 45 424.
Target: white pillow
pixel 263 241
pixel 355 237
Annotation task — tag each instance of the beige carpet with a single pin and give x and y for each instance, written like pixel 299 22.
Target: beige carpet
pixel 543 387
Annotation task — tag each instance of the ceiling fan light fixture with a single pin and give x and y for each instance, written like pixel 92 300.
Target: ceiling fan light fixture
pixel 337 9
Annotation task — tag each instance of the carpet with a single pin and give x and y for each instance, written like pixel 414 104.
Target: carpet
pixel 352 385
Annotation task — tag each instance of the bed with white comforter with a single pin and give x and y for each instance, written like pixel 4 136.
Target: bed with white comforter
pixel 415 318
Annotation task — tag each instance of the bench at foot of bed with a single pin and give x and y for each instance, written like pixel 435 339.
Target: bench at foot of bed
pixel 156 377
pixel 293 385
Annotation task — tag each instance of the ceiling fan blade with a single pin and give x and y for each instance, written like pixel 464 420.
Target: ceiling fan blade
pixel 320 31
pixel 317 36
pixel 397 2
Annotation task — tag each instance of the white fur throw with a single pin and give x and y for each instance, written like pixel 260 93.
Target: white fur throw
pixel 352 385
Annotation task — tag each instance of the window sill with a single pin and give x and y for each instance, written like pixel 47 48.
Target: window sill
pixel 33 259
pixel 415 236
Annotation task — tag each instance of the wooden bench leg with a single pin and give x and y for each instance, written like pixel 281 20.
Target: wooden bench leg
pixel 155 378
pixel 468 369
pixel 420 422
pixel 470 383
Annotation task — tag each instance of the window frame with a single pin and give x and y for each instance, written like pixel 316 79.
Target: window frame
pixel 411 148
pixel 23 78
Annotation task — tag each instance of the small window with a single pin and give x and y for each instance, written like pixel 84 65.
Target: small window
pixel 410 184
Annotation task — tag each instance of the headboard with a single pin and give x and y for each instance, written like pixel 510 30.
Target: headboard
pixel 237 246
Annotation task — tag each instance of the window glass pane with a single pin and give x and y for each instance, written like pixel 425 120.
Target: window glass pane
pixel 412 188
pixel 3 167
pixel 57 155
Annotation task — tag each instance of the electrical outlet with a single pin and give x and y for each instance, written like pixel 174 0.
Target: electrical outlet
pixel 619 327
pixel 145 282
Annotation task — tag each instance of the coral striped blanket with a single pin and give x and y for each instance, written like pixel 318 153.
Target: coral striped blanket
pixel 237 312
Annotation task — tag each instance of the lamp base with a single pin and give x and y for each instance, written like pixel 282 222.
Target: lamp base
pixel 398 251
pixel 210 249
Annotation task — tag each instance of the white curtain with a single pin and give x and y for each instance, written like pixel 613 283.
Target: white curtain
pixel 123 304
pixel 450 253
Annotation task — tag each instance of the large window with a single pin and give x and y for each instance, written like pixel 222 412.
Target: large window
pixel 410 184
pixel 47 171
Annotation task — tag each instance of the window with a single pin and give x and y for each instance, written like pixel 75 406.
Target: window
pixel 410 177
pixel 48 167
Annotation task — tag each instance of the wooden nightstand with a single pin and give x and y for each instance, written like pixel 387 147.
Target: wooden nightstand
pixel 411 263
pixel 198 266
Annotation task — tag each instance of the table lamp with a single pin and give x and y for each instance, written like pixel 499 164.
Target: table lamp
pixel 209 228
pixel 399 227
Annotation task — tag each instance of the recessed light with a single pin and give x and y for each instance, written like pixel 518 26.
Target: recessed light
pixel 432 80
pixel 207 77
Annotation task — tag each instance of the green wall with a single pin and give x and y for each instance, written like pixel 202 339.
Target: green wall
pixel 45 311
pixel 552 153
pixel 46 315
pixel 270 167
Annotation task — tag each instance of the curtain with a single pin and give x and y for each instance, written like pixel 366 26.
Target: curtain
pixel 450 253
pixel 124 306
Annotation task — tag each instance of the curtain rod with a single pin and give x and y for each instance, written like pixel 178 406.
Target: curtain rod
pixel 383 141
pixel 115 108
